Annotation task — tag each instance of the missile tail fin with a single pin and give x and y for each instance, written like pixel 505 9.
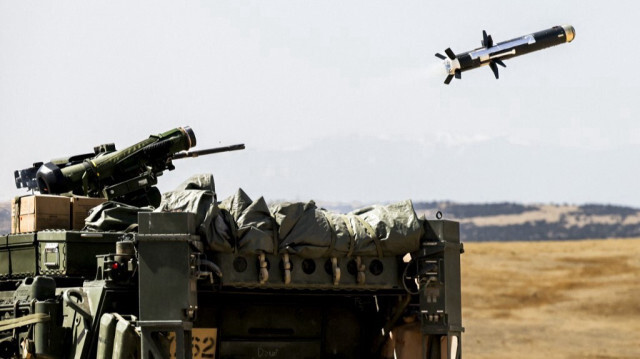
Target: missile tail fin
pixel 450 53
pixel 499 62
pixel 458 74
pixel 494 68
pixel 448 79
pixel 487 40
pixel 440 56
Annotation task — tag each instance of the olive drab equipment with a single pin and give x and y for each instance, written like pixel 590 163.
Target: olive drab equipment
pixel 185 275
pixel 128 175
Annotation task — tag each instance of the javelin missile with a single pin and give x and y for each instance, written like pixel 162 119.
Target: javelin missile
pixel 493 54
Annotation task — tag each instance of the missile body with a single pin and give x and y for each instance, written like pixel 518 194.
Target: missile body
pixel 493 54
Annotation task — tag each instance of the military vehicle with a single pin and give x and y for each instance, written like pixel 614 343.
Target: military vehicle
pixel 183 275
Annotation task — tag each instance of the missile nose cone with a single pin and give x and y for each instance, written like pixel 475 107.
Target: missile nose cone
pixel 570 32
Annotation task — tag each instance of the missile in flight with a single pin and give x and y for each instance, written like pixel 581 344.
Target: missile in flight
pixel 494 54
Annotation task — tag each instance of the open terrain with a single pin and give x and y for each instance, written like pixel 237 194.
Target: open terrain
pixel 505 221
pixel 552 299
pixel 481 222
pixel 543 299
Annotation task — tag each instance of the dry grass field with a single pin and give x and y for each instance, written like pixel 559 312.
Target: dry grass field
pixel 572 299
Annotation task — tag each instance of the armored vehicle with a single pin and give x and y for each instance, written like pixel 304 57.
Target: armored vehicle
pixel 184 275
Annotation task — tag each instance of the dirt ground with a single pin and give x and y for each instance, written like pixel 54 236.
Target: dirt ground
pixel 572 299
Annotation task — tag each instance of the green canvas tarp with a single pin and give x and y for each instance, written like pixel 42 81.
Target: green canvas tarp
pixel 256 229
pixel 197 195
pixel 308 231
pixel 113 216
pixel 395 227
pixel 239 224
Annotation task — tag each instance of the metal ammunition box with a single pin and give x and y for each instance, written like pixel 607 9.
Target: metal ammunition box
pixel 73 253
pixel 23 255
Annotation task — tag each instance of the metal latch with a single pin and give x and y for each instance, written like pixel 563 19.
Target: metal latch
pixel 51 250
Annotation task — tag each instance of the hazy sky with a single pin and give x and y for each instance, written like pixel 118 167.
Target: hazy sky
pixel 335 100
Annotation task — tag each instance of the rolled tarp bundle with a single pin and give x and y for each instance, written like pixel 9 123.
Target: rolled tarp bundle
pixel 380 230
pixel 387 230
pixel 239 224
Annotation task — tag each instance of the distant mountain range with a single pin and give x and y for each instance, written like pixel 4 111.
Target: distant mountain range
pixel 506 221
pixel 515 222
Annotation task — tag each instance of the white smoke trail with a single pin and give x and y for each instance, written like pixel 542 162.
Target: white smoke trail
pixel 435 70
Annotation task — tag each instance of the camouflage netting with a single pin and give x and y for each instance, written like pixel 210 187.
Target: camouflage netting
pixel 239 224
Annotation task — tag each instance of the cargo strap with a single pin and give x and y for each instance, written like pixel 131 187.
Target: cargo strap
pixel 85 183
pixel 336 270
pixel 16 215
pixel 334 235
pixel 286 264
pixel 352 235
pixel 373 235
pixel 23 321
pixel 263 274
